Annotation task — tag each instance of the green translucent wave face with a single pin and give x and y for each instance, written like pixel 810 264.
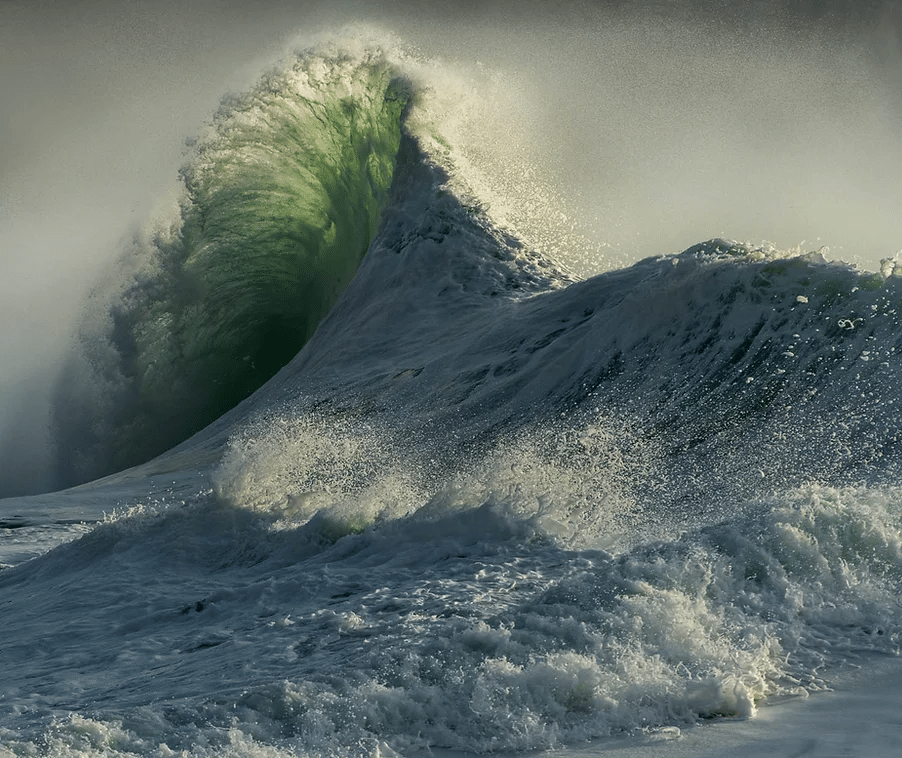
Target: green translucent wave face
pixel 283 198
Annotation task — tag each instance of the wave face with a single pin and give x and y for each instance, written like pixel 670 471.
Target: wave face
pixel 486 507
pixel 281 199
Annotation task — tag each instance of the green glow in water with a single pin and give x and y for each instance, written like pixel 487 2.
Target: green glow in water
pixel 283 197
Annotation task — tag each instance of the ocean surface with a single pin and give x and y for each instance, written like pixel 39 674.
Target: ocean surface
pixel 355 469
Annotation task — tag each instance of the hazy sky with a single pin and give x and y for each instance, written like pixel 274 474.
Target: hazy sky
pixel 98 97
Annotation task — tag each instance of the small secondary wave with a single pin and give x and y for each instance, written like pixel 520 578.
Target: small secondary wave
pixel 740 370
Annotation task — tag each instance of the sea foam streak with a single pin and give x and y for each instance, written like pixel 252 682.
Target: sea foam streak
pixel 486 507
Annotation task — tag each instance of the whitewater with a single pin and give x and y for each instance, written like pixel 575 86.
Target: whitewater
pixel 355 466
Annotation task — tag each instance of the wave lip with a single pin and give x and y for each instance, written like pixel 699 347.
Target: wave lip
pixel 280 201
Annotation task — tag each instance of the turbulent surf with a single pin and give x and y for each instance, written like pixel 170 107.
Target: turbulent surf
pixel 418 487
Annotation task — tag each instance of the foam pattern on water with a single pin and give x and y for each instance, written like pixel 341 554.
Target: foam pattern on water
pixel 475 616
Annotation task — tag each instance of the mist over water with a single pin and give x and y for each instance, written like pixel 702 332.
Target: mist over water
pixel 601 133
